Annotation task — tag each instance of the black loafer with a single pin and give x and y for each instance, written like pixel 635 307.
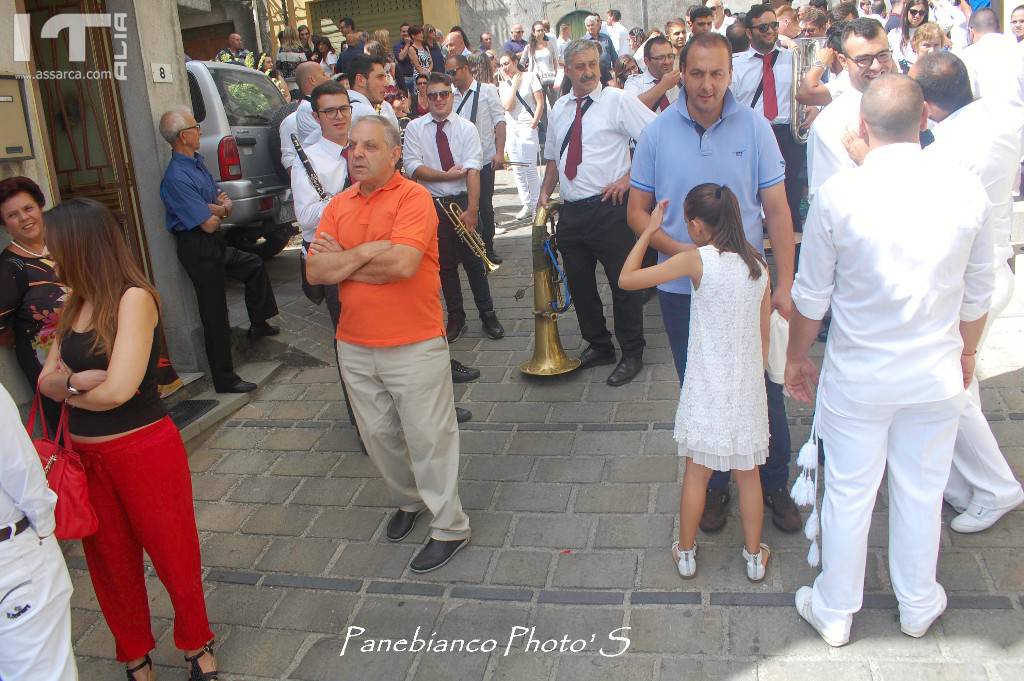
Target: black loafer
pixel 595 357
pixel 436 554
pixel 626 371
pixel 492 327
pixel 262 330
pixel 402 523
pixel 462 373
pixel 238 386
pixel 462 415
pixel 495 258
pixel 455 328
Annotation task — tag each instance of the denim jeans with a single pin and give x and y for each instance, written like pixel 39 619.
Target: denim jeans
pixel 675 311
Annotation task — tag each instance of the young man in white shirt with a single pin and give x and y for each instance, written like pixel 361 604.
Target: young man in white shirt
pixel 443 153
pixel 479 104
pixel 719 21
pixel 587 150
pixel 984 137
pixel 614 29
pixel 367 85
pixel 993 60
pixel 909 284
pixel 659 86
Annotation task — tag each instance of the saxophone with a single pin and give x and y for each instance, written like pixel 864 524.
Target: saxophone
pixel 804 53
pixel 314 179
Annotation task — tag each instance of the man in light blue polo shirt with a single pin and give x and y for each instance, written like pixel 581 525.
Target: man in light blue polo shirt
pixel 707 136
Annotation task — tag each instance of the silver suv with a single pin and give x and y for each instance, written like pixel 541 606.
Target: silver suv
pixel 234 105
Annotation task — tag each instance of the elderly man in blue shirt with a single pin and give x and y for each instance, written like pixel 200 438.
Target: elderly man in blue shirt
pixel 195 208
pixel 707 136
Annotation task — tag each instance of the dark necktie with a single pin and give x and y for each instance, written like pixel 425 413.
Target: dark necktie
pixel 575 153
pixel 663 102
pixel 344 153
pixel 771 103
pixel 444 151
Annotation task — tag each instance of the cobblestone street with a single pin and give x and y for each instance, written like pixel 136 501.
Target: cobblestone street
pixel 572 488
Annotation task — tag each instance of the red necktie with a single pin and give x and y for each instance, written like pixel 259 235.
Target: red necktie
pixel 444 151
pixel 574 157
pixel 344 153
pixel 771 104
pixel 663 102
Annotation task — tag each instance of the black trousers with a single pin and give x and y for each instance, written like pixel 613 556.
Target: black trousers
pixel 208 261
pixel 486 226
pixel 589 232
pixel 451 251
pixel 795 155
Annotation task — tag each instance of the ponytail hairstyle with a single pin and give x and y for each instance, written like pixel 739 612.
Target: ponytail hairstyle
pixel 716 206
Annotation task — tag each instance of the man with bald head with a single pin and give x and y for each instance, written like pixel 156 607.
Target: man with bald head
pixel 456 44
pixel 234 52
pixel 909 284
pixel 993 60
pixel 301 121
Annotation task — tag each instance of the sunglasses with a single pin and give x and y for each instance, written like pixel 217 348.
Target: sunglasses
pixel 451 72
pixel 769 27
pixel 440 95
pixel 336 111
pixel 917 12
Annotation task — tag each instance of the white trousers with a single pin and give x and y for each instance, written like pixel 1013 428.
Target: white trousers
pixel 980 475
pixel 522 145
pixel 35 611
pixel 915 443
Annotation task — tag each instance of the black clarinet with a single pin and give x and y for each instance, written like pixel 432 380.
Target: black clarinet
pixel 314 179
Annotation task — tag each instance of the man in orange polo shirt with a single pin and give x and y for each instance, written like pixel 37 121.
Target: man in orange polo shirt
pixel 378 241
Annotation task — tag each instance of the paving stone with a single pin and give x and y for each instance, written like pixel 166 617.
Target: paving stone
pixel 521 568
pixel 782 669
pixel 265 653
pixel 282 392
pixel 999 671
pixel 203 460
pixel 452 666
pixel 604 443
pixel 548 444
pixel 298 411
pixel 518 412
pixel 313 464
pixel 634 531
pixel 470 565
pixel 317 611
pixel 237 604
pixel 491 467
pixel 572 412
pixel 663 390
pixel 289 521
pixel 578 621
pixel 496 392
pixel 661 442
pixel 792 566
pixel 461 619
pixel 263 490
pixel 374 493
pixel 708 669
pixel 520 666
pixel 338 439
pixel 212 487
pixel 533 496
pixel 570 532
pixel 233 551
pixel 238 438
pixel 293 438
pixel 373 560
pixel 221 516
pixel 976 634
pixel 961 571
pixel 349 523
pixel 483 442
pixel 767 632
pixel 326 491
pixel 306 555
pixel 644 469
pixel 489 528
pixel 81 621
pixel 680 629
pixel 1006 568
pixel 647 410
pixel 247 462
pixel 597 668
pixel 595 570
pixel 611 498
pixel 569 469
pixel 355 466
pixel 923 671
pixel 476 494
pixel 558 390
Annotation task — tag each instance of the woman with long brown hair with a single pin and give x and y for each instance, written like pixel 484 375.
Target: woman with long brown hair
pixel 103 363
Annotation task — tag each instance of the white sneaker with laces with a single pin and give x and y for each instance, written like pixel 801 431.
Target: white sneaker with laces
pixel 976 519
pixel 803 606
pixel 523 213
pixel 757 565
pixel 686 561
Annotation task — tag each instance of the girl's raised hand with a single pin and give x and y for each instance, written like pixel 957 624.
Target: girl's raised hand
pixel 657 217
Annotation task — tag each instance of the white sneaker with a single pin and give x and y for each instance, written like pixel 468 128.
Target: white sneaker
pixel 757 565
pixel 976 518
pixel 921 630
pixel 523 213
pixel 803 606
pixel 686 561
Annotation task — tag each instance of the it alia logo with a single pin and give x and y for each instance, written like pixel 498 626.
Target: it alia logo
pixel 19 611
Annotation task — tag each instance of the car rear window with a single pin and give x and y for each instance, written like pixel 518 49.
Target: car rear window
pixel 249 97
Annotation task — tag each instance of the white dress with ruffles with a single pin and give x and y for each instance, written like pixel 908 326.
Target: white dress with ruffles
pixel 722 421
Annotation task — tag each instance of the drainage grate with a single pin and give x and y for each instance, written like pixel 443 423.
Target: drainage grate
pixel 187 411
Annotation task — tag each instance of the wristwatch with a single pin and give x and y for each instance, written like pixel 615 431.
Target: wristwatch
pixel 72 390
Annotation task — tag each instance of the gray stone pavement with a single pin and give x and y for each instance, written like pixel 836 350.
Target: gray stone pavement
pixel 572 490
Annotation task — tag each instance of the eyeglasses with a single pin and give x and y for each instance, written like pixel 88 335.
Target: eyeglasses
pixel 439 95
pixel 663 58
pixel 336 111
pixel 865 60
pixel 191 127
pixel 917 12
pixel 767 28
pixel 517 32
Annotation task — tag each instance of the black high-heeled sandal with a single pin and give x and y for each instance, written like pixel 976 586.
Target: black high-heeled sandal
pixel 146 662
pixel 196 672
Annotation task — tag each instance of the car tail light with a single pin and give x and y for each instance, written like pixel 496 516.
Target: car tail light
pixel 228 159
pixel 266 203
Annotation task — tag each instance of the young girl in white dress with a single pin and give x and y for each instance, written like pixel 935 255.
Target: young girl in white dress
pixel 722 421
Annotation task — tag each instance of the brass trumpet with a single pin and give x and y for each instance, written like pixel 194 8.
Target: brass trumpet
pixel 473 240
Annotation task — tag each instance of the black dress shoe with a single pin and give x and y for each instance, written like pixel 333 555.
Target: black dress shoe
pixel 462 373
pixel 455 328
pixel 715 510
pixel 595 357
pixel 626 371
pixel 492 327
pixel 436 554
pixel 263 329
pixel 495 258
pixel 238 386
pixel 402 523
pixel 462 415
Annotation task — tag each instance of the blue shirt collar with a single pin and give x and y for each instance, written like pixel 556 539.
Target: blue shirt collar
pixel 729 105
pixel 196 159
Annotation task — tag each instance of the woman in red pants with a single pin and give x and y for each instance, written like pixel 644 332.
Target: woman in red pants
pixel 103 363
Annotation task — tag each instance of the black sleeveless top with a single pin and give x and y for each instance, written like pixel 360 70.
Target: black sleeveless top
pixel 145 406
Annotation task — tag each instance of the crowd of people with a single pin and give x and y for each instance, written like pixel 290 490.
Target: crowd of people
pixel 677 156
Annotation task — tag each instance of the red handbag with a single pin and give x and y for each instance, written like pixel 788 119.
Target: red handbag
pixel 65 475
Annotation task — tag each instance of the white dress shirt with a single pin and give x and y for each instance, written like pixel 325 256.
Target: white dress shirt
pixel 331 167
pixel 826 154
pixel 288 126
pixel 838 83
pixel 611 121
pixel 747 71
pixel 899 275
pixel 996 69
pixel 640 83
pixel 985 137
pixel 306 125
pixel 726 23
pixel 619 35
pixel 361 106
pixel 23 489
pixel 421 150
pixel 489 114
pixel 528 85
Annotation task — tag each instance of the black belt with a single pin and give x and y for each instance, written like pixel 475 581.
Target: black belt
pixel 453 197
pixel 19 527
pixel 596 198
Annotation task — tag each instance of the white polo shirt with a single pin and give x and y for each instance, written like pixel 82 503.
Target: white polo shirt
pixel 421 150
pixel 640 83
pixel 489 113
pixel 747 73
pixel 898 275
pixel 609 124
pixel 826 154
pixel 331 168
